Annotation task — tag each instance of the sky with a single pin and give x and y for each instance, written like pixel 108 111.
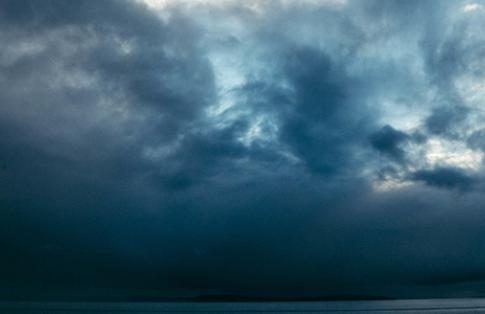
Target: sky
pixel 162 148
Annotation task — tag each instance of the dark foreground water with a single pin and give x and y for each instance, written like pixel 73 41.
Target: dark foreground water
pixel 382 307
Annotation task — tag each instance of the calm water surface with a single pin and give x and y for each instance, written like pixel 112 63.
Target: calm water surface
pixel 382 307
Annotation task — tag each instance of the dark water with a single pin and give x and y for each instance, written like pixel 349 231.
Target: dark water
pixel 382 307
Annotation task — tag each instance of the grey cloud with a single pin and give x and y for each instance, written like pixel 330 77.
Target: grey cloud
pixel 445 178
pixel 78 112
pixel 317 118
pixel 387 140
pixel 444 120
pixel 116 174
pixel 477 140
pixel 323 113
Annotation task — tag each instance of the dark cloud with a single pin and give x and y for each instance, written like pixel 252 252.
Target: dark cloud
pixel 445 119
pixel 321 127
pixel 445 178
pixel 387 140
pixel 234 149
pixel 477 140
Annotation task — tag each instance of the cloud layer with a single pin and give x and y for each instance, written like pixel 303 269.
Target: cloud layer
pixel 296 148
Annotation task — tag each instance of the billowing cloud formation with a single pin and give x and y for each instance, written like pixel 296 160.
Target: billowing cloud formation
pixel 295 148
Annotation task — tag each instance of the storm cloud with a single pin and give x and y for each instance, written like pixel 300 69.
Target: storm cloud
pixel 155 149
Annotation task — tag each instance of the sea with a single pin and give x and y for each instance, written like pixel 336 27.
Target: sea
pixel 361 307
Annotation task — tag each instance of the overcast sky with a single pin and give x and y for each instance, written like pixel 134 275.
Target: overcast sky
pixel 294 148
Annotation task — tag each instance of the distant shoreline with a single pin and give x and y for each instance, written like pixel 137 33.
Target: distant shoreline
pixel 212 299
